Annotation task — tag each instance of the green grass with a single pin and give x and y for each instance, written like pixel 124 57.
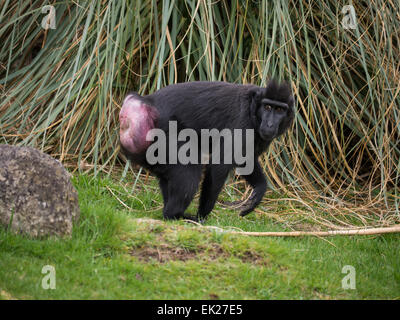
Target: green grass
pixel 112 255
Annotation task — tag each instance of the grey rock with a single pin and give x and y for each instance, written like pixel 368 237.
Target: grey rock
pixel 36 194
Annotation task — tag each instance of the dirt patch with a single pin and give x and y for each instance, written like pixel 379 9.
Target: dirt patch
pixel 252 257
pixel 165 253
pixel 162 254
pixel 164 247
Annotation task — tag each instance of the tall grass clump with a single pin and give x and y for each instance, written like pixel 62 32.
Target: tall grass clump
pixel 61 88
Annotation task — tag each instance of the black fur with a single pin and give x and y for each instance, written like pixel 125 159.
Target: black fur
pixel 220 105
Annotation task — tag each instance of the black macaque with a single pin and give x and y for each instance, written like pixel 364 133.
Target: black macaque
pixel 268 112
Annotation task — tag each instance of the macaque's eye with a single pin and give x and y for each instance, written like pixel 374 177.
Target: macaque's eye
pixel 268 107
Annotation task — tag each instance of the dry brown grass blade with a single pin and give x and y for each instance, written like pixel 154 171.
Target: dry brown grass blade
pixel 350 232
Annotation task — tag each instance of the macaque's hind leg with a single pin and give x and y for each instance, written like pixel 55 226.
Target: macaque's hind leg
pixel 164 189
pixel 183 181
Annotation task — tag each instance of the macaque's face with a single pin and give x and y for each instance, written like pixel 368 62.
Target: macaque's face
pixel 270 118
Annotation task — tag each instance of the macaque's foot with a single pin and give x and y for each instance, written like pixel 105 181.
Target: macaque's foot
pixel 247 207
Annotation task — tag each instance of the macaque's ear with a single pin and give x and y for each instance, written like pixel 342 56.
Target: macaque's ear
pixel 255 99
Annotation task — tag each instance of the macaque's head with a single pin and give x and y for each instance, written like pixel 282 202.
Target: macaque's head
pixel 273 110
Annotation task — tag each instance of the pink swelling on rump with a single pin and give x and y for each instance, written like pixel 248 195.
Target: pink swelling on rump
pixel 136 118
